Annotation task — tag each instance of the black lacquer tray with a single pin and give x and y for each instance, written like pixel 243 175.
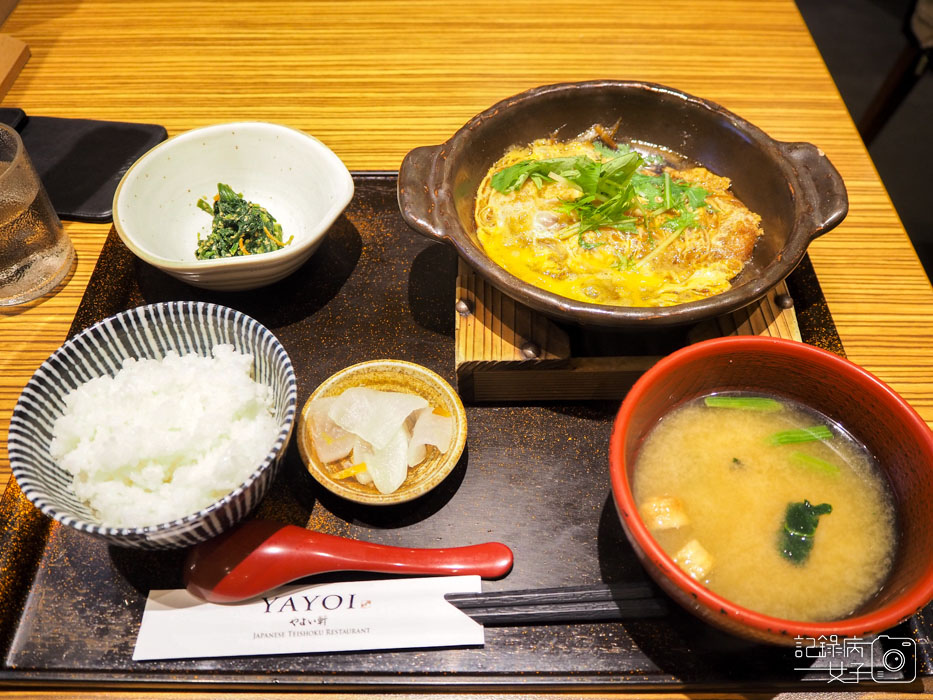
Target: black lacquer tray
pixel 532 476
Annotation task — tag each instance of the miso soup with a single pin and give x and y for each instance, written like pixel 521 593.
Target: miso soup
pixel 769 504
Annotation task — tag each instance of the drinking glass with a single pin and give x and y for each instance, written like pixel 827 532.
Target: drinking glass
pixel 35 252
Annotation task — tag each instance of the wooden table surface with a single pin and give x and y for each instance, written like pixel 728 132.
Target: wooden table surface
pixel 373 79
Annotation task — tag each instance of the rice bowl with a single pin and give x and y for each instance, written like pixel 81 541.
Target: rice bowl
pixel 141 456
pixel 146 332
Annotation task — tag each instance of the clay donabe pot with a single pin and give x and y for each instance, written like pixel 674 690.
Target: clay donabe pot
pixel 793 186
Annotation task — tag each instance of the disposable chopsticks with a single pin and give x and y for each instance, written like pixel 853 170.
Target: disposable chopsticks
pixel 599 602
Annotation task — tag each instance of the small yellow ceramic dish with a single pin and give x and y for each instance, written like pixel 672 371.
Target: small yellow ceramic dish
pixel 388 375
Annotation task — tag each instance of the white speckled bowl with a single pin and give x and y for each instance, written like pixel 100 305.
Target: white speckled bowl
pixel 302 183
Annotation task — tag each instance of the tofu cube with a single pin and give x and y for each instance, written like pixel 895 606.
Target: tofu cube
pixel 663 513
pixel 695 560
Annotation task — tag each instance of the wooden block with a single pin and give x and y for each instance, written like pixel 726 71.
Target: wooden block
pixel 13 56
pixel 504 351
pixel 6 7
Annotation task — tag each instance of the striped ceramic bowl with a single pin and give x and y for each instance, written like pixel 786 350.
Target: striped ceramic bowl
pixel 145 332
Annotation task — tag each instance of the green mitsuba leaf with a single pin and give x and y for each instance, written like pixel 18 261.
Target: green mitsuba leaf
pixel 608 190
pixel 513 177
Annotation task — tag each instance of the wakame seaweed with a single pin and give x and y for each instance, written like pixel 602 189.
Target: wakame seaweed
pixel 239 227
pixel 800 521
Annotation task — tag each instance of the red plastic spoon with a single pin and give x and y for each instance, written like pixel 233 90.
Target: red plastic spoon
pixel 261 555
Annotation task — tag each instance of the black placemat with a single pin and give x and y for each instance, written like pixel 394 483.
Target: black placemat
pixel 12 116
pixel 81 161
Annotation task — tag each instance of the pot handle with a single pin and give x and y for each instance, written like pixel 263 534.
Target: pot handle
pixel 821 184
pixel 417 193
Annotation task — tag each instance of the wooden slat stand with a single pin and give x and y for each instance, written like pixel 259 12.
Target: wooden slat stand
pixel 507 352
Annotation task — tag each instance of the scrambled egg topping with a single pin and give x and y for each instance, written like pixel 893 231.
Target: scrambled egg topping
pixel 531 232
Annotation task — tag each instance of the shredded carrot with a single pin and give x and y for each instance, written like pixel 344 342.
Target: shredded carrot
pixel 243 248
pixel 273 238
pixel 350 471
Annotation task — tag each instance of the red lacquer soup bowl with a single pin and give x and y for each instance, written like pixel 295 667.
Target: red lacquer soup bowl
pixel 871 411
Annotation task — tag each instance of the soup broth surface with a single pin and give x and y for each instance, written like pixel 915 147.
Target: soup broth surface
pixel 731 487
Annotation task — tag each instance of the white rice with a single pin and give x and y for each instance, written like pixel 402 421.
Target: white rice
pixel 164 438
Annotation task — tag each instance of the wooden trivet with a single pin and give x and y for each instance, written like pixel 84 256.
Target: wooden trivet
pixel 505 351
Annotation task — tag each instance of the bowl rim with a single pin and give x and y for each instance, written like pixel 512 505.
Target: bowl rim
pixel 889 615
pixel 153 531
pixel 606 315
pixel 451 457
pixel 339 174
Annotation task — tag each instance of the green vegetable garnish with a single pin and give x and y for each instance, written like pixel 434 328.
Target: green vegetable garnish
pixel 613 194
pixel 751 403
pixel 676 225
pixel 786 437
pixel 239 227
pixel 802 459
pixel 580 170
pixel 796 537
